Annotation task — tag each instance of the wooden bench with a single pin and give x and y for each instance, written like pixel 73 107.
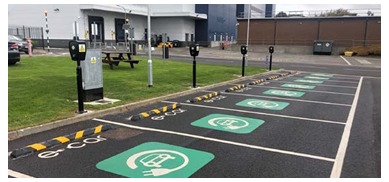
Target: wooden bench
pixel 115 60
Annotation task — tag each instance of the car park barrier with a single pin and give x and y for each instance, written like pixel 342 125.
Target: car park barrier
pixel 204 97
pixel 58 140
pixel 154 112
pixel 238 87
pixel 257 82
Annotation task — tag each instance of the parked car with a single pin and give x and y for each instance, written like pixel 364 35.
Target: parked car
pixel 13 53
pixel 22 43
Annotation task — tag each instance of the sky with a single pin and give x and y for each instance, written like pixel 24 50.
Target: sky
pixel 313 7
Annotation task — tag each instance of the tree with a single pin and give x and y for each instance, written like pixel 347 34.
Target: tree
pixel 337 12
pixel 281 14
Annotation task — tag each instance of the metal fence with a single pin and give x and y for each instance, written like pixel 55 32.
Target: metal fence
pixel 296 42
pixel 35 33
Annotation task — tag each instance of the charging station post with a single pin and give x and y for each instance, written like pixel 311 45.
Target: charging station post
pixel 243 50
pixel 271 50
pixel 77 51
pixel 194 51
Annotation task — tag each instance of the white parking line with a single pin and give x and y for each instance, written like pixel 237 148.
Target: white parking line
pixel 317 84
pixel 259 113
pixel 283 98
pixel 338 164
pixel 363 61
pixel 345 60
pixel 17 174
pixel 326 80
pixel 218 140
pixel 304 90
pixel 352 76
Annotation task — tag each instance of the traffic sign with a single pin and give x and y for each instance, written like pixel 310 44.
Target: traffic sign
pixel 263 104
pixel 308 81
pixel 285 93
pixel 228 123
pixel 156 160
pixel 298 86
pixel 316 77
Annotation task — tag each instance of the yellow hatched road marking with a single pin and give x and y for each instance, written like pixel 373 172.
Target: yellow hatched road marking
pixel 62 139
pixel 37 146
pixel 145 114
pixel 79 134
pixel 98 129
pixel 156 111
pixel 164 109
pixel 174 106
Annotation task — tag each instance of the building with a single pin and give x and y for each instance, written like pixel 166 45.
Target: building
pixel 220 24
pixel 204 23
pixel 177 20
pixel 257 10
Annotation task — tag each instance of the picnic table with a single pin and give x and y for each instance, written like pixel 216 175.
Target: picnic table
pixel 117 56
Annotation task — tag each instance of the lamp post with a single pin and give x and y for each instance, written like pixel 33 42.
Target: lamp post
pixel 149 62
pixel 125 19
pixel 47 33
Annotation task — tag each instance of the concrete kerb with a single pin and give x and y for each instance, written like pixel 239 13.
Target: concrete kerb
pixel 127 107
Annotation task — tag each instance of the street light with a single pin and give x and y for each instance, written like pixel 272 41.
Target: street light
pixel 125 22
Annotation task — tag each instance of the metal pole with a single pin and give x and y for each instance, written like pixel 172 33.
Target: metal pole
pixel 248 25
pixel 194 71
pixel 79 89
pixel 243 64
pixel 149 62
pixel 47 33
pixel 271 60
pixel 94 35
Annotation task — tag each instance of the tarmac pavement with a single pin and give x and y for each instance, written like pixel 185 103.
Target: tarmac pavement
pixel 279 129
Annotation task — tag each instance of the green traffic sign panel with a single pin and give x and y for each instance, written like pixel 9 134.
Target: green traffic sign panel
pixel 228 123
pixel 263 104
pixel 298 86
pixel 308 81
pixel 156 160
pixel 316 77
pixel 285 93
pixel 325 75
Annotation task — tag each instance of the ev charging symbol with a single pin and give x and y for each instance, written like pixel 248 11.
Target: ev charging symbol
pixel 229 123
pixel 155 160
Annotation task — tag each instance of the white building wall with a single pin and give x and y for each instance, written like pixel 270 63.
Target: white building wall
pixel 60 22
pixel 175 27
pixel 172 8
pixel 139 22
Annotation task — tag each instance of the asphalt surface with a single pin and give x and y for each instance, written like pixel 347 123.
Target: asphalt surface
pixel 301 140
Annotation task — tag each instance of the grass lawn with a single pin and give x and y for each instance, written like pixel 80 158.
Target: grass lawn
pixel 42 89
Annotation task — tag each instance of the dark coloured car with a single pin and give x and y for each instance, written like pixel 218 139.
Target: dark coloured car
pixel 13 53
pixel 22 43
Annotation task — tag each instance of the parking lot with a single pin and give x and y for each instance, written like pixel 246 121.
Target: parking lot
pixel 297 125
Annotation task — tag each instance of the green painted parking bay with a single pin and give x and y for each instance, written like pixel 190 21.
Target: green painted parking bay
pixel 156 160
pixel 285 93
pixel 317 77
pixel 263 104
pixel 308 81
pixel 228 123
pixel 288 85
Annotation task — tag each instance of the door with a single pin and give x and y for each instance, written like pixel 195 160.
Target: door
pixel 96 28
pixel 119 32
pixel 187 39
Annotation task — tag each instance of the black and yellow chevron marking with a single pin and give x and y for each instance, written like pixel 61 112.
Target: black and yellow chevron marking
pixel 154 112
pixel 238 87
pixel 58 140
pixel 272 77
pixel 292 72
pixel 204 97
pixel 257 82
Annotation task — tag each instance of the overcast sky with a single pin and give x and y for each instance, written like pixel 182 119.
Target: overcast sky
pixel 312 7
